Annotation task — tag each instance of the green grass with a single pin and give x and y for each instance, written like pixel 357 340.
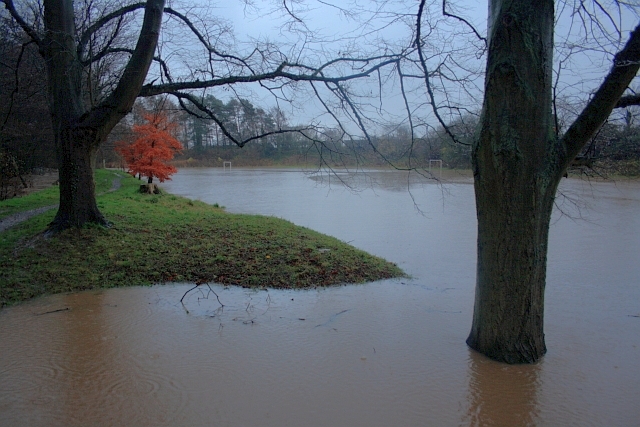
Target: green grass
pixel 166 238
pixel 49 196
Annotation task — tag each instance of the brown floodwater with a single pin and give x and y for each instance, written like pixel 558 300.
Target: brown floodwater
pixel 385 353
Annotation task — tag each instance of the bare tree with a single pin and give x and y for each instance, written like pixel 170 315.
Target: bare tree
pixel 25 130
pixel 519 156
pixel 79 128
pixel 94 76
pixel 520 151
pixel 518 162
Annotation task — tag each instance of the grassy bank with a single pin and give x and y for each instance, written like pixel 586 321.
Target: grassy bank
pixel 165 238
pixel 48 196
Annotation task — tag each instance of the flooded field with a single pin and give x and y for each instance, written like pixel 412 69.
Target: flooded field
pixel 380 354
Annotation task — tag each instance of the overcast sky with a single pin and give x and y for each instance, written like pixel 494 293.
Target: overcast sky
pixel 268 20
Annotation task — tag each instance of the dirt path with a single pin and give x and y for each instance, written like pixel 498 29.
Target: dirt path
pixel 15 219
pixel 114 185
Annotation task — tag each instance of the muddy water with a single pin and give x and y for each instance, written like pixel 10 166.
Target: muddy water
pixel 387 353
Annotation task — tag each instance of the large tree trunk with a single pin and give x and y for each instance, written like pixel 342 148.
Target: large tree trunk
pixel 76 151
pixel 75 146
pixel 517 165
pixel 513 227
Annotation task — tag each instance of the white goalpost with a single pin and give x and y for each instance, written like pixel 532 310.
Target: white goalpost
pixel 224 165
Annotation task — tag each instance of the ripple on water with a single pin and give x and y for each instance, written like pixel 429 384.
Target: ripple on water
pixel 78 367
pixel 357 355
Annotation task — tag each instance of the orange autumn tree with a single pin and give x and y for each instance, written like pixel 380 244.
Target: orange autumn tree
pixel 152 147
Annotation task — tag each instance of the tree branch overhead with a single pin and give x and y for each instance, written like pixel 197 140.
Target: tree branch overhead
pixel 608 96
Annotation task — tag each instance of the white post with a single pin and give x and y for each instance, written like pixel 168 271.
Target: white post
pixel 224 165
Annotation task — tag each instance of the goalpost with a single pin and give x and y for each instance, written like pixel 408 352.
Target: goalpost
pixel 224 165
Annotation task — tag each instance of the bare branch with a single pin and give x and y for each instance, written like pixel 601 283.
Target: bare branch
pixel 279 72
pixel 284 3
pixel 627 101
pixel 8 4
pixel 15 90
pixel 120 101
pixel 116 14
pixel 625 67
pixel 427 81
pixel 609 17
pixel 209 114
pixel 115 50
pixel 459 18
pixel 202 39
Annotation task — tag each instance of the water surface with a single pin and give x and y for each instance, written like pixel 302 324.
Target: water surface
pixel 386 353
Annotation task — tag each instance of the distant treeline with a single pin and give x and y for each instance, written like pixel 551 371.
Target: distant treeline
pixel 614 150
pixel 26 137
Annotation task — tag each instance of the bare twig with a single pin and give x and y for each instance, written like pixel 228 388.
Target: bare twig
pixel 52 311
pixel 459 18
pixel 198 285
pixel 427 80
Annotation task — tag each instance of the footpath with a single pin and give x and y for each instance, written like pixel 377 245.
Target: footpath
pixel 19 217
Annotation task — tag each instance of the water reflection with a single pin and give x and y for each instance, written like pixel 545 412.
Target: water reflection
pixel 391 180
pixel 82 361
pixel 501 395
pixel 88 363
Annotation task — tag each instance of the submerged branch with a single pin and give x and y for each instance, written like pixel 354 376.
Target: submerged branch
pixel 197 286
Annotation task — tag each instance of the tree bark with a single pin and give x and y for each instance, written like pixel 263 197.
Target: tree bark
pixel 517 165
pixel 76 151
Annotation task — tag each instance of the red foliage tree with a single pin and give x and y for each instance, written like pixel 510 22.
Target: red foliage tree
pixel 153 147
